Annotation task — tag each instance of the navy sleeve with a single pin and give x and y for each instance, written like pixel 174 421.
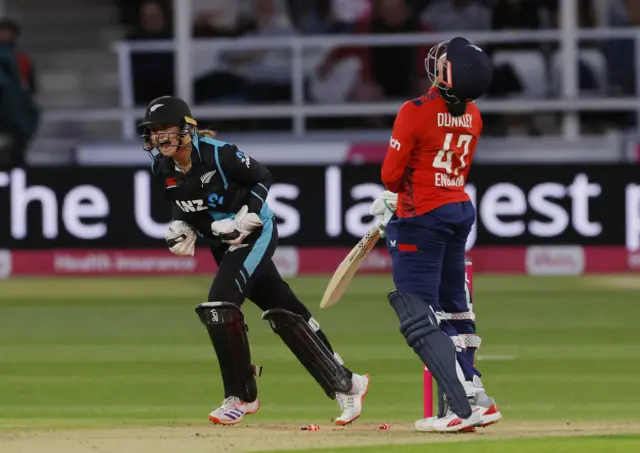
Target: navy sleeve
pixel 248 172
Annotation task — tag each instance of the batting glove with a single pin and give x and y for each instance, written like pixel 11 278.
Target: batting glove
pixel 233 231
pixel 181 238
pixel 384 207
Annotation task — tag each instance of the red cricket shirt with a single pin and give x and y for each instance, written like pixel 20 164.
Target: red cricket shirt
pixel 429 154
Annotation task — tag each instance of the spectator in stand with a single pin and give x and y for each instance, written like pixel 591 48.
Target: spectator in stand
pixel 516 15
pixel 588 81
pixel 314 17
pixel 19 115
pixel 153 74
pixel 384 72
pixel 10 32
pixel 510 15
pixel 218 18
pixel 620 57
pixel 456 15
pixel 129 11
pixel 255 76
pixel 620 52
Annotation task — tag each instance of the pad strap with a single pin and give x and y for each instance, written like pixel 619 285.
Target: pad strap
pixel 464 316
pixel 471 340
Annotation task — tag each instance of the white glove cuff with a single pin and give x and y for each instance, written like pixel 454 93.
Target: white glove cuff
pixel 250 222
pixel 388 201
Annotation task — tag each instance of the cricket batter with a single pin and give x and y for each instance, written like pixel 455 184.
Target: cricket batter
pixel 219 193
pixel 430 153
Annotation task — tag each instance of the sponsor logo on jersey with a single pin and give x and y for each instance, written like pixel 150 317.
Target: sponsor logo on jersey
pixel 395 144
pixel 170 183
pixel 243 158
pixel 192 205
pixel 215 200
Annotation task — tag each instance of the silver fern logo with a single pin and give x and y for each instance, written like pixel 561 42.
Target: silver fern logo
pixel 207 177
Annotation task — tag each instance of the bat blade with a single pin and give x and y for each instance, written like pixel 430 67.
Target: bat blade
pixel 348 268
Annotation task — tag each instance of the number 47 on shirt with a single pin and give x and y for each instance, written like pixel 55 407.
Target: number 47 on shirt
pixel 444 158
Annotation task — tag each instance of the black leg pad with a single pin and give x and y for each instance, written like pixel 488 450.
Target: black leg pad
pixel 228 333
pixel 310 350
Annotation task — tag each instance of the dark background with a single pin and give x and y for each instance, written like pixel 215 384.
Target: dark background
pixel 122 232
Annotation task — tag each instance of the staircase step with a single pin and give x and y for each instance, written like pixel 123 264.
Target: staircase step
pixel 48 151
pixel 71 44
pixel 13 5
pixel 94 130
pixel 47 15
pixel 64 80
pixel 99 99
pixel 80 60
pixel 70 41
pixel 67 89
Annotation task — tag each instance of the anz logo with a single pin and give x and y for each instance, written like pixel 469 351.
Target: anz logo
pixel 215 201
pixel 192 205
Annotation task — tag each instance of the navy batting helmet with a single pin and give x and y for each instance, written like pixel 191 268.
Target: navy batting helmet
pixel 461 70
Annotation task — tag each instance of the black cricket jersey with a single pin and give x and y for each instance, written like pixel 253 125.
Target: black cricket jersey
pixel 222 179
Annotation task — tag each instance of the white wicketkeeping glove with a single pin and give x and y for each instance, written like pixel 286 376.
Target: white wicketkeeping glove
pixel 384 208
pixel 181 238
pixel 233 231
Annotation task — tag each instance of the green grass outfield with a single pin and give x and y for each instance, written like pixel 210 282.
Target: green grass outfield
pixel 112 353
pixel 608 444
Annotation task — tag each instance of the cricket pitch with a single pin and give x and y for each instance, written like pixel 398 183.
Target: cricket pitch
pixel 251 438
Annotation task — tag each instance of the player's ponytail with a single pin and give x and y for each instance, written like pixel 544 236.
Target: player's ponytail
pixel 454 105
pixel 206 133
pixel 458 109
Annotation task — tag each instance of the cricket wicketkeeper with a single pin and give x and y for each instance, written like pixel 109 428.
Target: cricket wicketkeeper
pixel 219 193
pixel 428 216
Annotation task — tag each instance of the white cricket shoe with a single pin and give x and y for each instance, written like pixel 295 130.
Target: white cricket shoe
pixel 450 423
pixel 489 412
pixel 351 403
pixel 233 411
pixel 483 405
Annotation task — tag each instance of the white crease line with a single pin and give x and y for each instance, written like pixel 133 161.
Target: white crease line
pixel 496 357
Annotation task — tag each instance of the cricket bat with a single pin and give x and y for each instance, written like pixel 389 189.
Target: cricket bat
pixel 348 268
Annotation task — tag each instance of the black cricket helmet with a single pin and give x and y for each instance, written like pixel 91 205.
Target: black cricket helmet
pixel 169 111
pixel 461 70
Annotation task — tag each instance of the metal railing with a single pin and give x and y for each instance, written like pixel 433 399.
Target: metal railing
pixel 569 102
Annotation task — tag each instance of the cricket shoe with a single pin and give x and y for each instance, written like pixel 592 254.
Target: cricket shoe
pixel 450 423
pixel 351 403
pixel 233 411
pixel 489 413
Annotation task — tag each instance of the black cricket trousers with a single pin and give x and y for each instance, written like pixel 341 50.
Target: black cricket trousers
pixel 247 271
